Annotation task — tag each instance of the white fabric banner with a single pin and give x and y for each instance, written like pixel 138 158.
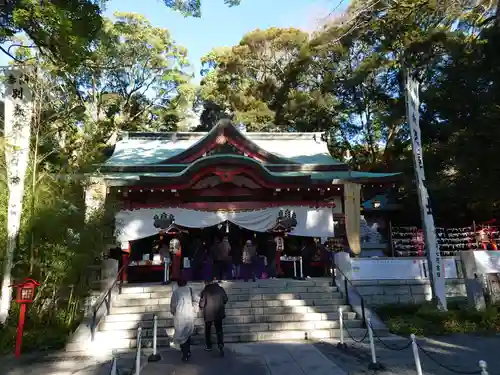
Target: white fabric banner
pixel 311 222
pixel 433 253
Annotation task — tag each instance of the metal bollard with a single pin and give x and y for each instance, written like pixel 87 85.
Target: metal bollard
pixel 114 367
pixel 416 356
pixel 374 365
pixel 166 275
pixel 484 367
pixel 138 353
pixel 155 357
pixel 341 344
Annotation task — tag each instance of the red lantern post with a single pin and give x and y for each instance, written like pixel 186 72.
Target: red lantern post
pixel 25 293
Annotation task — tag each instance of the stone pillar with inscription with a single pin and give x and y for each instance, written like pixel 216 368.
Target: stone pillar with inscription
pixel 17 134
pixel 436 276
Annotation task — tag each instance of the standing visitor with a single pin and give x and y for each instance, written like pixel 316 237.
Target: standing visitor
pixel 236 255
pixel 176 250
pixel 271 258
pixel 249 260
pixel 215 251
pixel 307 253
pixel 183 308
pixel 213 301
pixel 165 257
pixel 199 259
pixel 221 258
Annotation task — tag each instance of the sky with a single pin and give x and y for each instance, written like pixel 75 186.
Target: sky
pixel 221 25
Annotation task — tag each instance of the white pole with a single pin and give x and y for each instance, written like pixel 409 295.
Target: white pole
pixel 341 344
pixel 155 357
pixel 372 343
pixel 484 367
pixel 301 269
pixel 113 367
pixel 374 365
pixel 294 268
pixel 341 323
pixel 165 271
pixel 138 353
pixel 155 328
pixel 416 356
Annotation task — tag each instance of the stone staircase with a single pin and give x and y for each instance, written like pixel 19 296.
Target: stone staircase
pixel 266 310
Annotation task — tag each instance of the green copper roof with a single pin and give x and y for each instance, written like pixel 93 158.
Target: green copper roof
pixel 135 149
pixel 333 177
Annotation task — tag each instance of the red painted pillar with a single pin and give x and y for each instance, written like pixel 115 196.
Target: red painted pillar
pixel 20 328
pixel 176 265
pixel 279 271
pixel 125 263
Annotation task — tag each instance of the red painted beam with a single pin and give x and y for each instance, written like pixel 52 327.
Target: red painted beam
pixel 217 206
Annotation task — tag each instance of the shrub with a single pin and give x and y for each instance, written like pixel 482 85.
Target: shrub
pixel 426 320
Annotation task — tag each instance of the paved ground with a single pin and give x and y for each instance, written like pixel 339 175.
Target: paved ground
pixel 460 353
pixel 63 364
pixel 249 359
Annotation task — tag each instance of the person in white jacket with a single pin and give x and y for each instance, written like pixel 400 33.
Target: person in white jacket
pixel 183 307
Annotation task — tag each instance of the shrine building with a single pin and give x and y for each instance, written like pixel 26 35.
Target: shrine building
pixel 229 178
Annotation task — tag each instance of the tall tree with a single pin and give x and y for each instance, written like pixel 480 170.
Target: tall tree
pixel 136 79
pixel 255 79
pixel 193 7
pixel 62 30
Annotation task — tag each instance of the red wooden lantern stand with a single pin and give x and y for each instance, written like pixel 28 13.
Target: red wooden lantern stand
pixel 25 293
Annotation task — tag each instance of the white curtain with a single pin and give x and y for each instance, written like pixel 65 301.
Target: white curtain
pixel 311 222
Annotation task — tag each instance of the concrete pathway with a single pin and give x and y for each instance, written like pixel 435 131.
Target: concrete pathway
pixel 248 359
pixel 457 354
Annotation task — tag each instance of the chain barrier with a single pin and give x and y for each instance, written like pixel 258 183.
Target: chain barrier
pixel 406 346
pixel 446 367
pixel 352 338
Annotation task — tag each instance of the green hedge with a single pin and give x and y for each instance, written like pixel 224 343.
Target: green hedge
pixel 426 320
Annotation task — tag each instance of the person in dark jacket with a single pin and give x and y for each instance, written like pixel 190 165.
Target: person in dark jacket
pixel 236 256
pixel 213 301
pixel 307 253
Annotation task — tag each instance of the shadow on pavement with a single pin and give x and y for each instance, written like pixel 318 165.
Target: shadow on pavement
pixel 457 354
pixel 206 363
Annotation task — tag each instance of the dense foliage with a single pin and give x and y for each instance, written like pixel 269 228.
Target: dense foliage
pixel 347 79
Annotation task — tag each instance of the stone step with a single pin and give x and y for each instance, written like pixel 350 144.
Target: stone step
pixel 130 331
pixel 318 306
pixel 267 293
pixel 281 300
pixel 167 321
pixel 165 314
pixel 266 318
pixel 129 343
pixel 233 285
pixel 332 307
